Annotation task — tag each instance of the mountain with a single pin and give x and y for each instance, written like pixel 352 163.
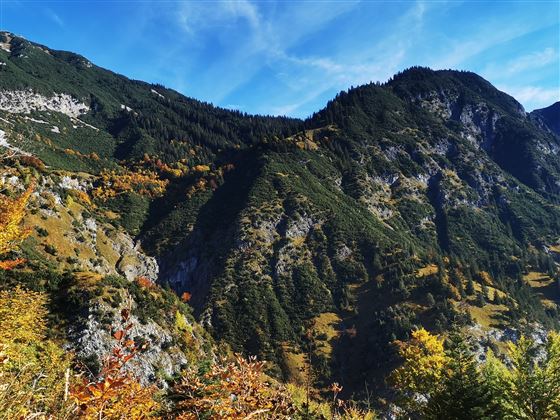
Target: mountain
pixel 548 118
pixel 429 200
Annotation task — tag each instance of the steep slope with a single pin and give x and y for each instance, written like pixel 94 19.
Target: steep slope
pixel 429 200
pixel 139 118
pixel 548 118
pixel 380 202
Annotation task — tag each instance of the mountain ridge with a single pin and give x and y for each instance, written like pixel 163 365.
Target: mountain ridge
pixel 344 224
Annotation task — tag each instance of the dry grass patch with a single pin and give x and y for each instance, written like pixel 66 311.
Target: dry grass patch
pixel 427 270
pixel 545 286
pixel 327 329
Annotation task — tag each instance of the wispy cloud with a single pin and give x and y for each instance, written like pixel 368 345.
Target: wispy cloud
pixel 532 61
pixel 263 41
pixel 54 17
pixel 489 37
pixel 533 97
pixel 313 75
pixel 243 51
pixel 196 15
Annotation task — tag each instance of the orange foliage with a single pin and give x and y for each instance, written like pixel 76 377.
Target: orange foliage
pixel 11 264
pixel 199 185
pixel 234 390
pixel 227 167
pixel 186 296
pixel 33 162
pixel 175 170
pixel 82 196
pixel 144 282
pixel 143 182
pixel 72 152
pixel 201 168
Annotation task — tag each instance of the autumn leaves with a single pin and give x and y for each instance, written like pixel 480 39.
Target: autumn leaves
pixel 12 211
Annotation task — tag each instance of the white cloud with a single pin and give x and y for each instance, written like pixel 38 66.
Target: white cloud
pixel 461 51
pixel 253 41
pixel 263 42
pixel 195 15
pixel 533 97
pixel 532 61
pixel 527 62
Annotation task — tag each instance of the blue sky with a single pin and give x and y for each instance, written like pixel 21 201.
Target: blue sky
pixel 290 57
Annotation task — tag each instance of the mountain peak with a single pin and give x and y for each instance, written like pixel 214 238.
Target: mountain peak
pixel 548 118
pixel 421 82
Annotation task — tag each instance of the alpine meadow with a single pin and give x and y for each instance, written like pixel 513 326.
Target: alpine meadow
pixel 394 255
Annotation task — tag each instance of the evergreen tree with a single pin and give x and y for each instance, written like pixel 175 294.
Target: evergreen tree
pixel 430 299
pixel 470 287
pixel 463 394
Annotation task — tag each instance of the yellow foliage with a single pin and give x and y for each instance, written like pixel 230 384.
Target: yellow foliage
pixel 427 270
pixel 143 182
pixel 34 371
pixel 181 323
pixel 12 212
pixel 201 168
pixel 423 365
pixel 115 398
pixel 22 316
pixel 485 278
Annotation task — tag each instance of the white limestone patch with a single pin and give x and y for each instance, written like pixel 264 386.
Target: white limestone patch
pixel 126 108
pixel 155 92
pixel 69 183
pixel 6 121
pixel 4 143
pixel 35 121
pixel 3 140
pixel 6 46
pixel 46 51
pixel 26 101
pixel 82 124
pixel 55 129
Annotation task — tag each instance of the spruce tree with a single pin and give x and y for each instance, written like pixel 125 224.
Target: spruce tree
pixel 470 287
pixel 463 394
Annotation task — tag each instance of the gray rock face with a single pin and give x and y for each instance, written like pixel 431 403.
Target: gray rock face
pixel 478 120
pixel 93 340
pixel 183 274
pixel 479 124
pixel 298 227
pixel 133 262
pixel 483 338
pixel 26 101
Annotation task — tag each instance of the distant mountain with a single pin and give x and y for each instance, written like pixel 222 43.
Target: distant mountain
pixel 548 118
pixel 430 200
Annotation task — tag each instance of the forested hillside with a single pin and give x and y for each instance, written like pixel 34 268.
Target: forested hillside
pixel 327 247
